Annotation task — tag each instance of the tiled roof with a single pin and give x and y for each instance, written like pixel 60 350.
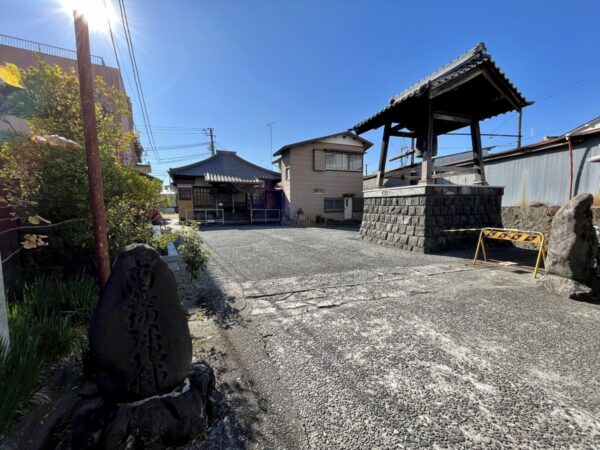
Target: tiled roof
pixel 366 144
pixel 470 60
pixel 225 167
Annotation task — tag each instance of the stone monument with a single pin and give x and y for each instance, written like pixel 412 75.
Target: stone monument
pixel 140 342
pixel 149 395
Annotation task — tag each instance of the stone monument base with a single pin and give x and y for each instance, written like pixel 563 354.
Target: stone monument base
pixel 418 218
pixel 165 421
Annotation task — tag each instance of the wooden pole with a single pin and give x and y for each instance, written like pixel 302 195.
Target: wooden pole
pixel 477 152
pixel 88 115
pixel 427 164
pixel 519 132
pixel 383 154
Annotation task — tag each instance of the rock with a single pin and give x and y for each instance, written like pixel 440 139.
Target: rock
pixel 140 343
pixel 565 287
pixel 574 245
pixel 162 422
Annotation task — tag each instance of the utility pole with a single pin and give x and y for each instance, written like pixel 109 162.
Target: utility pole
pixel 210 133
pixel 92 152
pixel 270 125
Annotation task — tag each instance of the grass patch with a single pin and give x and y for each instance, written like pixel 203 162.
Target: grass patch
pixel 46 323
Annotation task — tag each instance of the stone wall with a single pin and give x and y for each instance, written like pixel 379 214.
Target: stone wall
pixel 417 218
pixel 535 217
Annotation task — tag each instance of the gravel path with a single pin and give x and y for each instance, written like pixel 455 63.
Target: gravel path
pixel 322 341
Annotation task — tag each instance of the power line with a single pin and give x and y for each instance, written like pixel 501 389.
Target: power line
pixel 136 76
pixel 569 87
pixel 177 147
pixel 183 158
pixel 176 128
pixel 117 54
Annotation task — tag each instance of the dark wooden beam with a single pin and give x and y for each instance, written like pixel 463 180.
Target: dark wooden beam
pixel 446 87
pixel 385 141
pixel 450 117
pixel 402 134
pixel 505 93
pixel 477 152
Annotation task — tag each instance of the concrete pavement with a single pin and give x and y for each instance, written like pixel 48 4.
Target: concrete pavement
pixel 320 340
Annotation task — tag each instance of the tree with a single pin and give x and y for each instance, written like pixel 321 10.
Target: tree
pixel 53 183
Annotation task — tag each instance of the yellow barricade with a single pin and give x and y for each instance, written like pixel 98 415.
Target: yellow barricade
pixel 507 234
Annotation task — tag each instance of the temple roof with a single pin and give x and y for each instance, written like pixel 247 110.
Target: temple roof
pixel 472 84
pixel 225 167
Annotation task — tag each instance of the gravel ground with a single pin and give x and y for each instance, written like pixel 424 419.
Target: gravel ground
pixel 320 340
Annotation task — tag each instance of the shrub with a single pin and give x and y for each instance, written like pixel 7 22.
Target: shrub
pixel 47 322
pixel 53 182
pixel 191 250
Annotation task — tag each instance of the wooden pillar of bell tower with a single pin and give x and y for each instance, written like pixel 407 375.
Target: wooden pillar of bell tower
pixel 477 153
pixel 427 163
pixel 385 141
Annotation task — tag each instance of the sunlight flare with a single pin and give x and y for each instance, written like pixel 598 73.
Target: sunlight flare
pixel 97 12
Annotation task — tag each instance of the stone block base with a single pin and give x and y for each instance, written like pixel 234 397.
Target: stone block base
pixel 418 218
pixel 166 421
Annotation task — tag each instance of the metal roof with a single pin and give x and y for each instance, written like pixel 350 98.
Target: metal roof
pixel 225 167
pixel 366 144
pixel 469 61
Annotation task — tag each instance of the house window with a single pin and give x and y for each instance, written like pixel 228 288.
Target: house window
pixel 319 190
pixel 203 198
pixel 258 198
pixel 343 161
pixel 287 174
pixel 185 193
pixel 334 204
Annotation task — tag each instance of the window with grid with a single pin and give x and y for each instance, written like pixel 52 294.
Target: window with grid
pixel 334 204
pixel 185 193
pixel 258 198
pixel 203 198
pixel 343 161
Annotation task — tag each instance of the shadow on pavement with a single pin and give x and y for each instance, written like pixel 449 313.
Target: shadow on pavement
pixel 215 303
pixel 503 256
pixel 238 406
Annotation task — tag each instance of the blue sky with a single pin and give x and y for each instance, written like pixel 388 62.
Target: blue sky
pixel 318 67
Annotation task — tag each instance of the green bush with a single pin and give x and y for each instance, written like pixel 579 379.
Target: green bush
pixel 53 183
pixel 47 322
pixel 191 249
pixel 189 246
